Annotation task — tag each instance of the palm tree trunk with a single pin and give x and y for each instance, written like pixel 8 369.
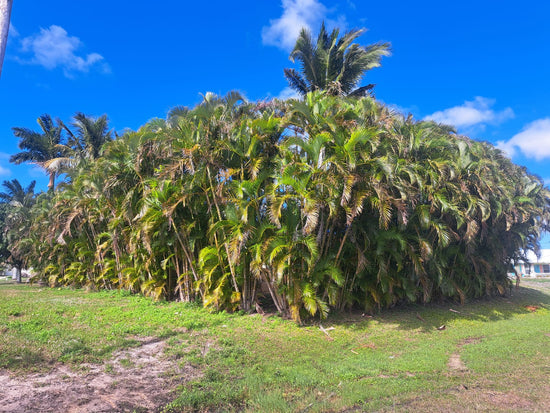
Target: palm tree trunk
pixel 342 245
pixel 275 296
pixel 51 184
pixel 229 261
pixel 5 12
pixel 188 254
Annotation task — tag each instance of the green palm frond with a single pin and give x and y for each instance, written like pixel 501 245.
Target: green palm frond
pixel 333 63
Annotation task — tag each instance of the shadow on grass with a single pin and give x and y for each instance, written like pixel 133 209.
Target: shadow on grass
pixel 9 280
pixel 22 359
pixel 523 300
pixel 530 296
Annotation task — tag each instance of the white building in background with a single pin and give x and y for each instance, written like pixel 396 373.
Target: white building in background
pixel 536 266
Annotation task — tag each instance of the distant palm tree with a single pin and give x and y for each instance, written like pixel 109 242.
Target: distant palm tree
pixel 45 149
pixel 333 64
pixel 91 134
pixel 16 195
pixel 5 11
pixel 18 201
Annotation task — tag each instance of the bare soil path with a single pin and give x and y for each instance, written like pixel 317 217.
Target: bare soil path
pixel 139 379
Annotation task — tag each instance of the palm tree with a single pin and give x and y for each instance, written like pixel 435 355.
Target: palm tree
pixel 45 149
pixel 333 64
pixel 91 134
pixel 5 11
pixel 19 201
pixel 16 195
pixel 326 202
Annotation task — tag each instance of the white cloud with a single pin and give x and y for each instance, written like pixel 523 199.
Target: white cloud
pixel 533 141
pixel 53 48
pixel 400 109
pixel 12 31
pixel 4 171
pixel 282 32
pixel 288 93
pixel 476 112
pixel 36 172
pixel 4 157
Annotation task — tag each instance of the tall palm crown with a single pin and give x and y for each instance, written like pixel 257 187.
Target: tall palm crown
pixel 16 195
pixel 91 134
pixel 334 64
pixel 45 149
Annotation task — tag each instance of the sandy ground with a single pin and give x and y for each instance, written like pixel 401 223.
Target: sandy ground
pixel 140 379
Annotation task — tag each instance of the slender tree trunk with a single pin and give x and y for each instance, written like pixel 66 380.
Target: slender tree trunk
pixel 342 245
pixel 118 254
pixel 336 261
pixel 51 184
pixel 18 274
pixel 5 12
pixel 188 254
pixel 277 299
pixel 229 261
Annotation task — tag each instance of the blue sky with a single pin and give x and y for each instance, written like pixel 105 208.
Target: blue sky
pixel 481 65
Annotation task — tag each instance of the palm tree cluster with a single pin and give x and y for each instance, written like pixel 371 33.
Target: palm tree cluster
pixel 57 147
pixel 329 202
pixel 15 206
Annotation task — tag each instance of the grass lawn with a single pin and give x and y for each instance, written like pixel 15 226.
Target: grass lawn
pixel 486 355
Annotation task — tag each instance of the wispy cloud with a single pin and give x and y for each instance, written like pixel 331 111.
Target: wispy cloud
pixel 403 110
pixel 54 48
pixel 472 113
pixel 36 172
pixel 12 31
pixel 533 141
pixel 4 171
pixel 4 158
pixel 282 32
pixel 288 93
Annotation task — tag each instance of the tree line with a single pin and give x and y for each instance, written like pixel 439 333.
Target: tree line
pixel 326 202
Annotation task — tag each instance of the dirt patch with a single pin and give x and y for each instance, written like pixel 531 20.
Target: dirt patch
pixel 470 340
pixel 456 364
pixel 510 401
pixel 484 399
pixel 467 399
pixel 139 379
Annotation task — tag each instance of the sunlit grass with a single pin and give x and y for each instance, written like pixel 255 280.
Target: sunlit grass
pixel 263 363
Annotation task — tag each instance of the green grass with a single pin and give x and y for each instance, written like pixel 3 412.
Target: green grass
pixel 395 360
